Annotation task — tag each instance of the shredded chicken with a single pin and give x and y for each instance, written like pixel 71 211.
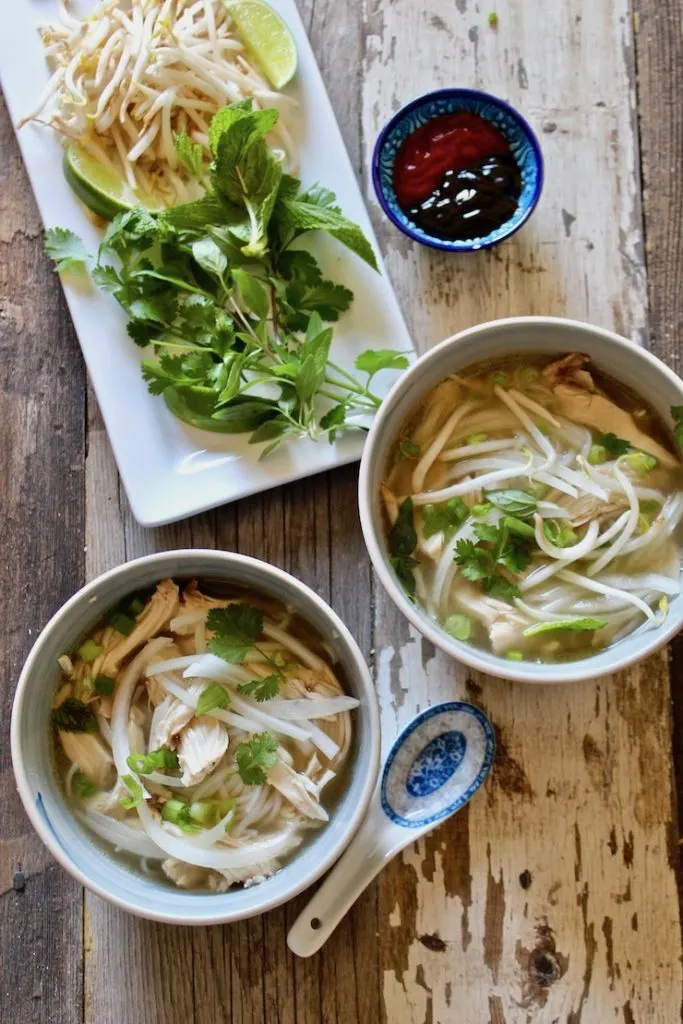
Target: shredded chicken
pixel 504 623
pixel 202 744
pixel 570 370
pixel 150 622
pixel 292 786
pixel 91 755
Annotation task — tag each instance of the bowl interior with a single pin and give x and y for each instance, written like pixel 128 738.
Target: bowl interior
pixel 523 145
pixel 621 359
pixel 41 793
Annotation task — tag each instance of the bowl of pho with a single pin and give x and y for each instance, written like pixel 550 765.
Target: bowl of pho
pixel 195 736
pixel 521 496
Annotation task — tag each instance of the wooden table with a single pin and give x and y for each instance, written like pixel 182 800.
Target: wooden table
pixel 553 897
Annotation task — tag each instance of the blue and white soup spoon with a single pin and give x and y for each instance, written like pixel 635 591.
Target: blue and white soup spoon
pixel 434 767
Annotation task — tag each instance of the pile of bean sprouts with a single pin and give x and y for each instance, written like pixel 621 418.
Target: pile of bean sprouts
pixel 131 76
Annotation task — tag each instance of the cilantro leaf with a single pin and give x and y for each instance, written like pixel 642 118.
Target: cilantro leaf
pixel 406 449
pixel 402 541
pixel 212 696
pixel 261 689
pixel 73 715
pixel 256 757
pixel 614 445
pixel 235 630
pixel 66 249
pixel 374 360
pixel 496 547
pixel 136 791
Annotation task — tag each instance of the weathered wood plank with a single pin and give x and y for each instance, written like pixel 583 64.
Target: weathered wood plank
pixel 554 899
pixel 41 551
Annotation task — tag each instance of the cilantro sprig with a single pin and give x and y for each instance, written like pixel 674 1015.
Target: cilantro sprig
pixel 402 541
pixel 231 303
pixel 498 547
pixel 256 757
pixel 236 630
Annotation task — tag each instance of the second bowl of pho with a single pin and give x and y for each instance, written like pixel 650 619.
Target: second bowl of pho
pixel 195 736
pixel 521 495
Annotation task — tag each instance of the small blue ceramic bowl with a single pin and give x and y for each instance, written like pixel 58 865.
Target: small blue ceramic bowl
pixel 523 145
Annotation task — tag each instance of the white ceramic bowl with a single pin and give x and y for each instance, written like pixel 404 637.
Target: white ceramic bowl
pixel 40 790
pixel 620 358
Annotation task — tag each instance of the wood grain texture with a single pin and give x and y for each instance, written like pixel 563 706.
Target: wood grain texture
pixel 41 552
pixel 555 898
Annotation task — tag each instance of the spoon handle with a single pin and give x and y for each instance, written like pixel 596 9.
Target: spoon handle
pixel 373 846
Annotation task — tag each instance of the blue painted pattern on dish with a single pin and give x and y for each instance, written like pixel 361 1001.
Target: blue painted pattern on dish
pixel 477 761
pixel 434 765
pixel 523 146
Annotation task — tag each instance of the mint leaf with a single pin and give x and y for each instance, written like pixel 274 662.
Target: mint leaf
pixel 514 502
pixel 306 213
pixel 209 257
pixel 190 154
pixel 235 630
pixel 66 249
pixel 252 293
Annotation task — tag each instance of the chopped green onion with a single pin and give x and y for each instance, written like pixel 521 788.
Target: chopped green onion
pixel 177 812
pixel 212 696
pixel 597 454
pixel 558 534
pixel 209 812
pixel 83 786
pixel 156 760
pixel 136 792
pixel 519 527
pixel 121 622
pixel 640 462
pixel 477 438
pixel 104 685
pixel 482 510
pixel 136 606
pixel 90 651
pixel 459 626
pixel 528 375
pixel 514 656
pixel 499 379
pixel 664 606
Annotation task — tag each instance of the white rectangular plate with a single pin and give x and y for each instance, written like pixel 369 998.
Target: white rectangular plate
pixel 171 470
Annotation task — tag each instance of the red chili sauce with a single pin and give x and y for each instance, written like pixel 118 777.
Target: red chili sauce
pixel 456 178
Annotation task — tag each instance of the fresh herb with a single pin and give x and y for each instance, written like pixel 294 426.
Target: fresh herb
pixel 614 446
pixel 233 308
pixel 256 757
pixel 443 518
pixel 104 685
pixel 459 626
pixel 640 462
pixel 121 622
pixel 136 606
pixel 191 155
pixel 90 651
pixel 482 510
pixel 406 449
pixel 235 629
pixel 402 541
pixel 677 416
pixel 74 716
pixel 136 792
pixel 573 625
pixel 496 547
pixel 261 689
pixel 515 503
pixel 559 534
pixel 499 379
pixel 212 696
pixel 519 527
pixel 163 759
pixel 66 249
pixel 82 786
pixel 177 812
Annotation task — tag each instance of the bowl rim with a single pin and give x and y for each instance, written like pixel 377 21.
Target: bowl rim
pixel 370 707
pixel 563 673
pixel 445 93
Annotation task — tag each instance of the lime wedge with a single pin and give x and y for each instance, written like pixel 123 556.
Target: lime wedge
pixel 267 39
pixel 102 191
